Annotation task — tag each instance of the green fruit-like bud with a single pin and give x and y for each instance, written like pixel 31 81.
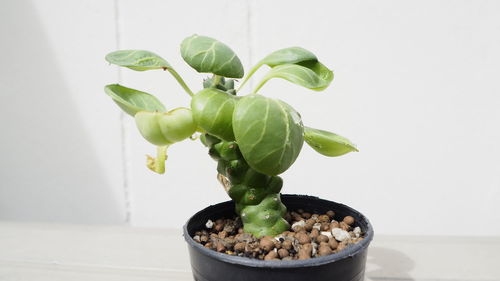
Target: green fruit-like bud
pixel 213 111
pixel 165 128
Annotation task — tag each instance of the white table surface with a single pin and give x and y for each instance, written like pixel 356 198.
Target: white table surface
pixel 53 252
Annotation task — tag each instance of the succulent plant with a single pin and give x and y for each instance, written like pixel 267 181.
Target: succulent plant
pixel 252 137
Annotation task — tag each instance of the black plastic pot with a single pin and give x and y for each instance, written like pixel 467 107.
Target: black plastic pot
pixel 347 265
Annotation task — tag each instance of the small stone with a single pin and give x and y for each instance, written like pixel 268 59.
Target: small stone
pixel 334 224
pixel 222 234
pixel 303 238
pixel 305 252
pixel 331 214
pixel 306 215
pixel 271 255
pixel 197 238
pixel 340 234
pixel 325 226
pixel 267 243
pixel 296 216
pixel 314 249
pixel 357 231
pixel 314 233
pixel 348 220
pixel 317 226
pixel 298 225
pixel 289 258
pixel 221 248
pixel 300 211
pixel 208 245
pixel 283 253
pixel 344 226
pixel 322 238
pixel 287 244
pixel 240 247
pixel 209 224
pixel 327 234
pixel 341 246
pixel 324 218
pixel 204 239
pixel 333 244
pixel 324 249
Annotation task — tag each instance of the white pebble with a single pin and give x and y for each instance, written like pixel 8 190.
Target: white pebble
pixel 327 234
pixel 196 238
pixel 340 234
pixel 357 231
pixel 209 224
pixel 301 223
pixel 317 226
pixel 315 247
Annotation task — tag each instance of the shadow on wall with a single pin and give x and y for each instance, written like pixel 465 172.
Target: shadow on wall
pixel 48 168
pixel 388 264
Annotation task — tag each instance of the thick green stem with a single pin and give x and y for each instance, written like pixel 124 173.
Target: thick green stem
pixel 257 196
pixel 180 81
pixel 157 164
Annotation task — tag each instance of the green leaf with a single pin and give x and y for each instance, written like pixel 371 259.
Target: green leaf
pixel 213 112
pixel 207 55
pixel 138 60
pixel 314 75
pixel 165 128
pixel 327 143
pixel 269 133
pixel 133 101
pixel 288 55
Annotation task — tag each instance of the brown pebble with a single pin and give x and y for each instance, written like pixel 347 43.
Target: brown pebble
pixel 324 249
pixel 287 244
pixel 240 247
pixel 267 243
pixel 325 226
pixel 305 251
pixel 342 245
pixel 314 233
pixel 288 217
pixel 271 255
pixel 240 230
pixel 334 224
pixel 208 245
pixel 324 218
pixel 348 220
pixel 218 227
pixel 296 216
pixel 322 238
pixel 222 234
pixel 287 258
pixel 333 243
pixel 204 238
pixel 331 214
pixel 308 226
pixel 283 253
pixel 303 238
pixel 306 215
pixel 344 226
pixel 220 247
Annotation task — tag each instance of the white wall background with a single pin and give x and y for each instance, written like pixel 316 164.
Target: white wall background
pixel 416 88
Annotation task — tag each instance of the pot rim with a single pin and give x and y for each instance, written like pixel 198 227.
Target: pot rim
pixel 245 261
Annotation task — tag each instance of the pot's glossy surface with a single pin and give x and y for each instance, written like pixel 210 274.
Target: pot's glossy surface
pixel 347 265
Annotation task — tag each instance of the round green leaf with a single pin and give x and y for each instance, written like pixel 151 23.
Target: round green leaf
pixel 269 133
pixel 207 55
pixel 213 112
pixel 288 55
pixel 133 101
pixel 139 60
pixel 312 75
pixel 165 128
pixel 327 143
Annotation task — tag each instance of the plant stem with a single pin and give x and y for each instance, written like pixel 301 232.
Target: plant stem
pixel 157 164
pixel 180 81
pixel 252 71
pixel 216 80
pixel 261 83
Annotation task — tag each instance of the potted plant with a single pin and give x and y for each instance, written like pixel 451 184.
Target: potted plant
pixel 254 139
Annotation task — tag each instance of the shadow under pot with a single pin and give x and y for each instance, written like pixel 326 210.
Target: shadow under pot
pixel 346 265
